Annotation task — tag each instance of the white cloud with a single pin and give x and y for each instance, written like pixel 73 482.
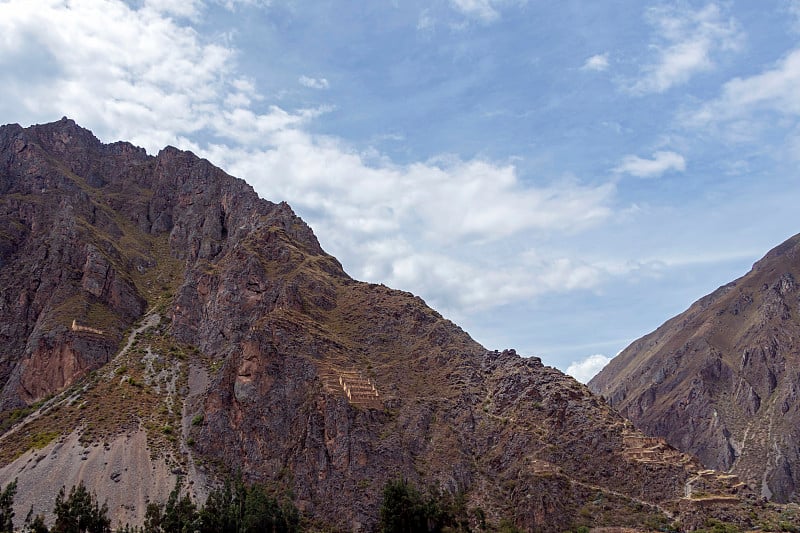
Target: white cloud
pixel 687 43
pixel 773 90
pixel 313 83
pixel 649 168
pixel 181 8
pixel 132 74
pixel 598 62
pixel 479 9
pixel 232 5
pixel 432 227
pixel 588 368
pixel 457 231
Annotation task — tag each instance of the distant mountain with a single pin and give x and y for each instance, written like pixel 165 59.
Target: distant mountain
pixel 160 322
pixel 721 380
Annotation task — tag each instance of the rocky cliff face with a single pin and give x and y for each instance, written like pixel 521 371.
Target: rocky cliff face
pixel 158 300
pixel 721 380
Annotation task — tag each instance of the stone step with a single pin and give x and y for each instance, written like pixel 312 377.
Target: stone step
pixel 358 389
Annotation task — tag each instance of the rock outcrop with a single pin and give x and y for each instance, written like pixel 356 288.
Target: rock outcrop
pixel 211 325
pixel 721 380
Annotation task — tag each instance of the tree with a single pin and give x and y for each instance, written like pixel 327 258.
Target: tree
pixel 34 524
pixel 178 516
pixel 7 507
pixel 153 518
pixel 224 508
pixel 80 513
pixel 238 508
pixel 403 509
pixel 263 513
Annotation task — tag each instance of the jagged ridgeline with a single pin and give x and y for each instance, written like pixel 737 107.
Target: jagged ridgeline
pixel 159 320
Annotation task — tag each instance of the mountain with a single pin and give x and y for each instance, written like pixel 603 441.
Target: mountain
pixel 721 379
pixel 161 323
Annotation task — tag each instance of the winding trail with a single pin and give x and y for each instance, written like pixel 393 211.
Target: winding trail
pixel 148 322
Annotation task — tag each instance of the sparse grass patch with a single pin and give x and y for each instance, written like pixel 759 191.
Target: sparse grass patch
pixel 215 366
pixel 42 439
pixel 9 418
pixel 712 525
pixel 107 407
pixel 160 282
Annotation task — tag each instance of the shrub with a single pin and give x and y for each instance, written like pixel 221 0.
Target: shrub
pixel 7 507
pixel 80 513
pixel 405 509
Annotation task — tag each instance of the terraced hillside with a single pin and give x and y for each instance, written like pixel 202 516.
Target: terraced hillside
pixel 213 335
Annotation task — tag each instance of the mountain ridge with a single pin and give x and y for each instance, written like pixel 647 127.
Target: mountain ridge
pixel 213 329
pixel 718 380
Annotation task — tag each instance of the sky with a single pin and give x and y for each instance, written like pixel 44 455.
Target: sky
pixel 555 177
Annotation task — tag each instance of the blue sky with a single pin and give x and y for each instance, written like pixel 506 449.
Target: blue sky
pixel 556 177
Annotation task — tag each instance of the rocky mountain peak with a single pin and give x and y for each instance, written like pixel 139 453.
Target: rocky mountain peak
pixel 162 323
pixel 721 381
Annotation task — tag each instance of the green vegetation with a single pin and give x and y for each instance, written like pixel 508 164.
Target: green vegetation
pixel 77 513
pixel 234 508
pixel 405 509
pixel 11 417
pixel 80 513
pixel 507 527
pixel 788 522
pixel 178 515
pixel 35 524
pixel 713 525
pixel 42 439
pixel 7 507
pixel 240 508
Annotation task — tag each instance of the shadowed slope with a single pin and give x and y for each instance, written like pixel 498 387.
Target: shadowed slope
pixel 721 380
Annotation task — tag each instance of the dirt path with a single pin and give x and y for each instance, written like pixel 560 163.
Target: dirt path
pixel 148 322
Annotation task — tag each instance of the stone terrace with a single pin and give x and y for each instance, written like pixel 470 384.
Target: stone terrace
pixel 359 390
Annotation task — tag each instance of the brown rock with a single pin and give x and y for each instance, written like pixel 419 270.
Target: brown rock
pixel 720 380
pixel 312 382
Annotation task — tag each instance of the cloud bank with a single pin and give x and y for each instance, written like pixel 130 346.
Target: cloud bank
pixel 442 228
